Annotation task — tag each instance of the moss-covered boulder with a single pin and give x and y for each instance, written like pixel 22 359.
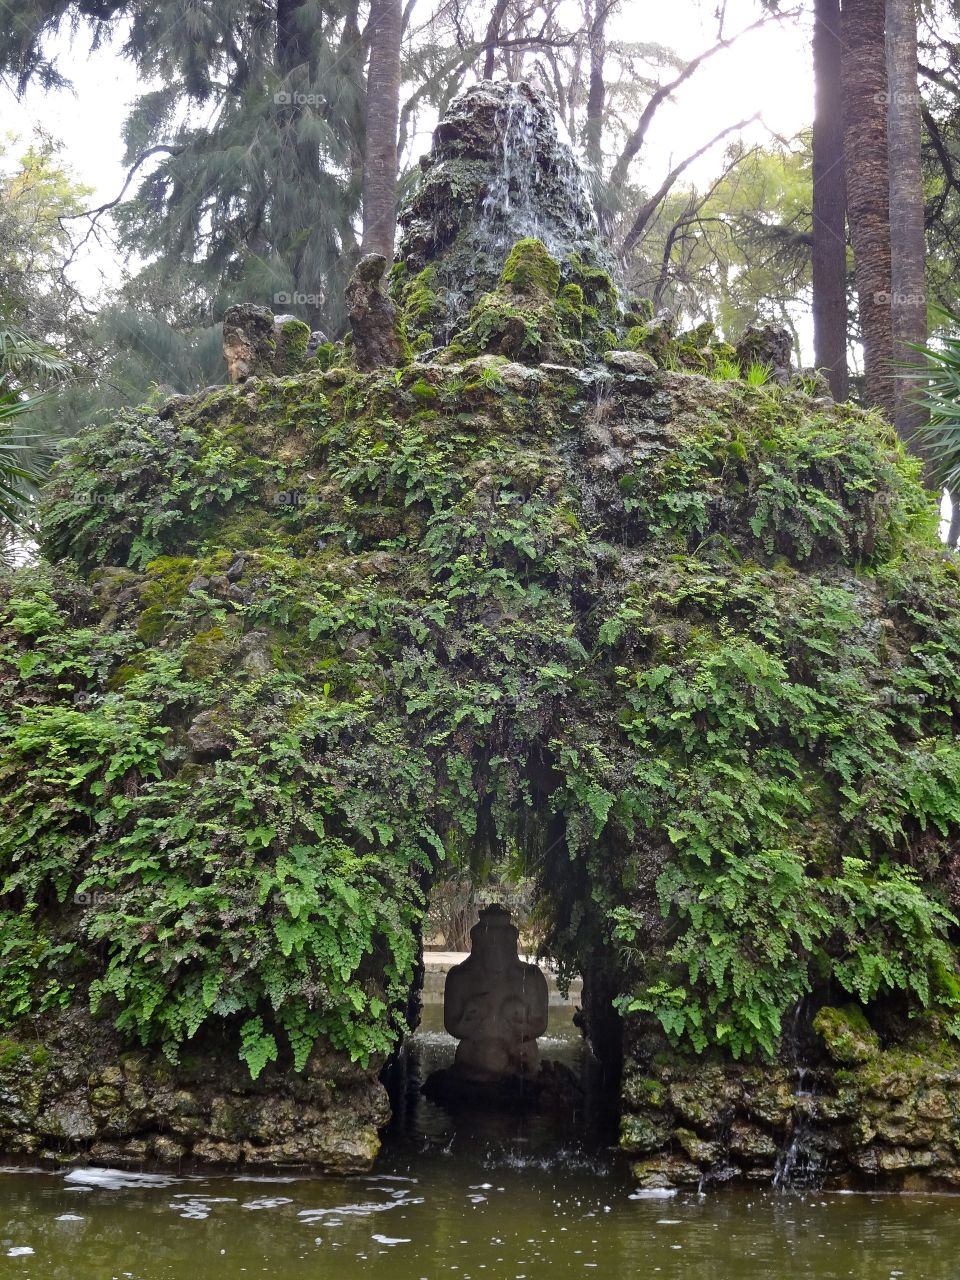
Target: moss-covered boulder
pixel 848 1037
pixel 530 318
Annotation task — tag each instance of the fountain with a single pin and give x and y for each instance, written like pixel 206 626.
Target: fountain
pixel 500 170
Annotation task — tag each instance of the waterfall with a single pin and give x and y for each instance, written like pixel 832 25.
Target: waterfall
pixel 501 169
pixel 537 188
pixel 800 1163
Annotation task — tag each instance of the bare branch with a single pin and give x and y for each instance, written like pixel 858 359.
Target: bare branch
pixel 651 205
pixel 637 137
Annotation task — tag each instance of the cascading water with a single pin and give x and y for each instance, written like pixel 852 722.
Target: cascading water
pixel 535 191
pixel 800 1162
pixel 501 169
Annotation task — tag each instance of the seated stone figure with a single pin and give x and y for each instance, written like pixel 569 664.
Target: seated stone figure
pixel 495 1004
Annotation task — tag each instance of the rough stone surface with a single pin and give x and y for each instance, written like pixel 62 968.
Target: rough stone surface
pixel 889 1119
pixel 80 1093
pixel 257 344
pixel 631 362
pixel 373 317
pixel 770 346
pixel 248 342
pixel 498 171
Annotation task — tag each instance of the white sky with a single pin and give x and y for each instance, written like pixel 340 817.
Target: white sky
pixel 768 70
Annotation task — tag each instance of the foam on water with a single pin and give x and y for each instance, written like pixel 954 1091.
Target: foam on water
pixel 115 1179
pixel 266 1202
pixel 356 1210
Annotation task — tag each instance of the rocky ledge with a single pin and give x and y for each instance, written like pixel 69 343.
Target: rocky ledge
pixel 78 1093
pixel 864 1117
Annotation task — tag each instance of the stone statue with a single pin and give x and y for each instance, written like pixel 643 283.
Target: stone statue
pixel 495 1004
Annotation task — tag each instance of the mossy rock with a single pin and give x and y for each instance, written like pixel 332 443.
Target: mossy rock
pixel 292 338
pixel 642 1133
pixel 530 271
pixel 847 1035
pixel 524 318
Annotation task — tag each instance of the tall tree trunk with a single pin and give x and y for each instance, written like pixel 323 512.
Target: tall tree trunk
pixel 299 157
pixel 907 278
pixel 383 118
pixel 829 202
pixel 868 188
pixel 953 530
pixel 597 92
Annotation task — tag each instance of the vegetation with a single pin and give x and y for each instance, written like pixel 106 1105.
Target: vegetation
pixel 24 454
pixel 581 592
pixel 939 396
pixel 302 642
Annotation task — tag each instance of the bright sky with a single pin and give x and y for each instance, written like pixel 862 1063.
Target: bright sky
pixel 768 70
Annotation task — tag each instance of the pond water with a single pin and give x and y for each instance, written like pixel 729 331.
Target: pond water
pixel 509 1196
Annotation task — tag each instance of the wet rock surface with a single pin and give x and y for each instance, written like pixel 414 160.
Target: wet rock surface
pixel 79 1093
pixel 373 317
pixel 499 171
pixel 258 344
pixel 863 1117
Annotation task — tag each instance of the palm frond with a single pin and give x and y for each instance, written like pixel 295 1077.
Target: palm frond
pixel 938 393
pixel 27 360
pixel 24 460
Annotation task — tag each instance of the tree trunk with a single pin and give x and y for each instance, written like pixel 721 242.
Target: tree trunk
pixel 953 531
pixel 868 189
pixel 492 37
pixel 298 158
pixel 383 117
pixel 829 202
pixel 907 279
pixel 597 93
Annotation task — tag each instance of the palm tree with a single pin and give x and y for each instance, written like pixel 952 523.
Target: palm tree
pixel 865 95
pixel 829 256
pixel 383 112
pixel 908 286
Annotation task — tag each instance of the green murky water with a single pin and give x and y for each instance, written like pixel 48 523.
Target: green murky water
pixel 480 1196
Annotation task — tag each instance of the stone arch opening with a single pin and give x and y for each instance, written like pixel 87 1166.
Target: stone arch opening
pixel 522 879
